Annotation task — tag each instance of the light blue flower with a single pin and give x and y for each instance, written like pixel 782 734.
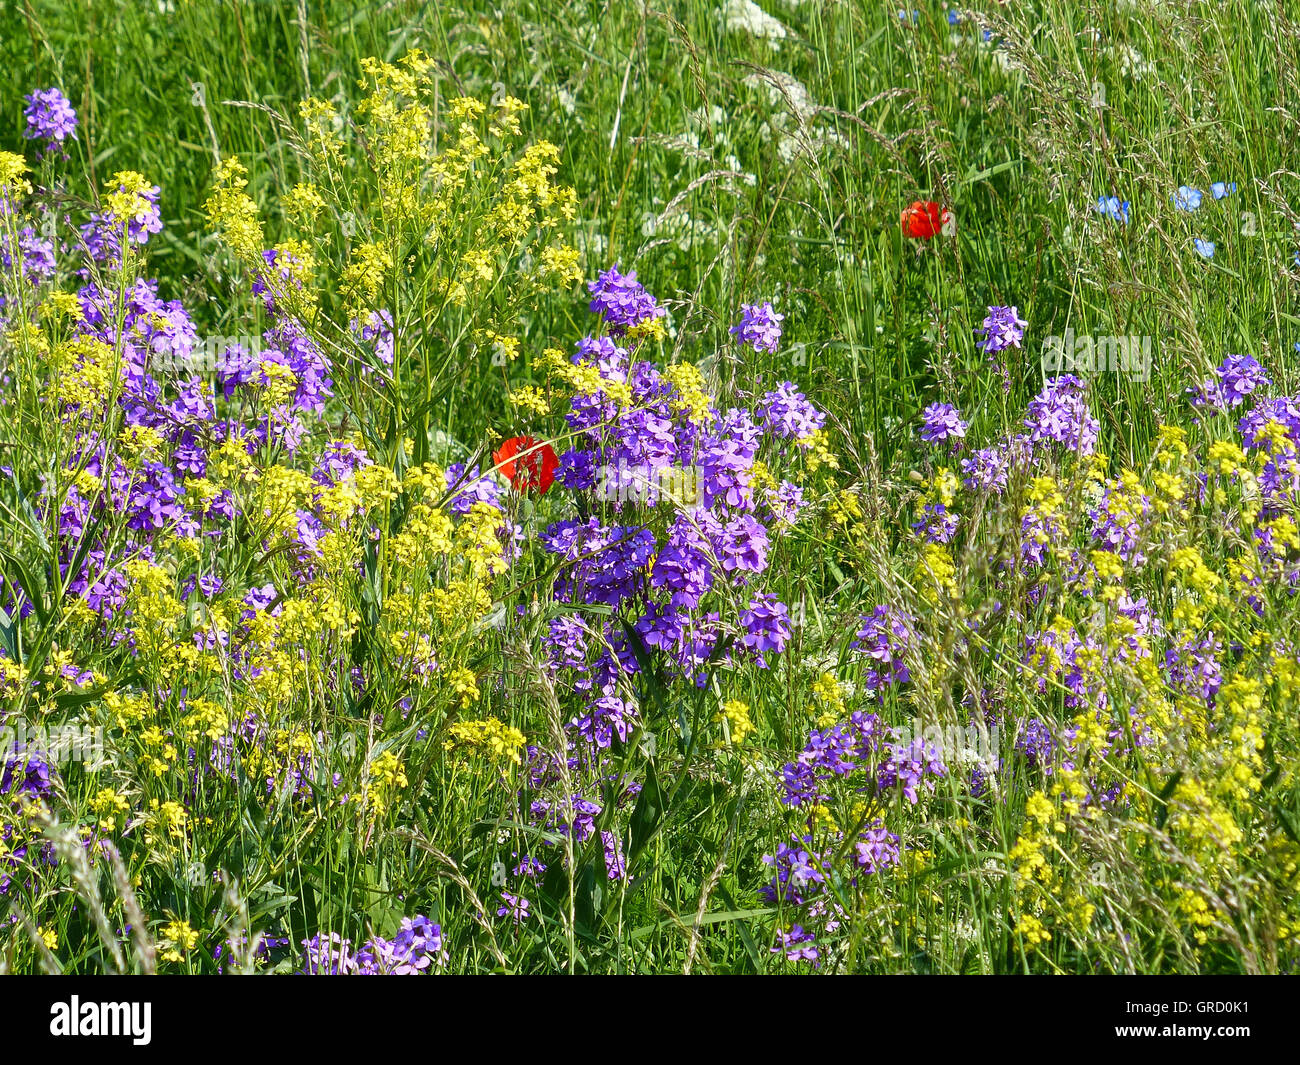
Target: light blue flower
pixel 1204 248
pixel 1113 207
pixel 1220 189
pixel 1187 198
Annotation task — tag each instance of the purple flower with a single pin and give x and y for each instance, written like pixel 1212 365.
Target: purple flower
pixel 101 236
pixel 908 765
pixel 609 715
pixel 470 488
pixel 1234 379
pixel 1036 744
pixel 942 421
pixel 35 254
pixel 566 642
pixel 27 774
pixel 797 945
pixel 786 412
pixel 786 502
pixel 759 326
pixel 798 874
pixel 329 956
pixel 885 636
pixel 1060 413
pixel 937 524
pixel 766 624
pixel 377 329
pixel 514 906
pixel 987 469
pixel 1003 328
pixel 50 117
pixel 621 300
pixel 876 849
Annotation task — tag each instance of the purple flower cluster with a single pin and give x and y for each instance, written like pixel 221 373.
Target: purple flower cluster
pixel 26 774
pixel 49 117
pixel 1060 413
pixel 1035 742
pixel 885 637
pixel 412 951
pixel 942 421
pixel 786 412
pixel 649 580
pixel 101 237
pixel 843 762
pixel 1234 380
pixel 622 300
pixel 36 256
pixel 797 873
pixel 908 766
pixel 1119 523
pixel 659 573
pixel 759 326
pixel 986 469
pixel 1003 328
pixel 798 945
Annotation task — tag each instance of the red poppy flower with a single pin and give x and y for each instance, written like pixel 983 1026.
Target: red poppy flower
pixel 925 219
pixel 527 463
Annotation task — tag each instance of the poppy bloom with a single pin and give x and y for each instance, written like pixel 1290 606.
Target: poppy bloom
pixel 924 219
pixel 527 463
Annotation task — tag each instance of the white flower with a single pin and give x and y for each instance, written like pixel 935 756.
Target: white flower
pixel 786 92
pixel 747 16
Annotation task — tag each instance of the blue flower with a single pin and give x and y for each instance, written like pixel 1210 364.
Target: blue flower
pixel 1113 207
pixel 1187 198
pixel 1204 248
pixel 1220 189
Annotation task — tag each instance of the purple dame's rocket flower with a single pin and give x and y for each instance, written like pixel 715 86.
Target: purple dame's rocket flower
pixel 942 421
pixel 1234 379
pixel 759 326
pixel 1003 328
pixel 1060 412
pixel 766 624
pixel 50 117
pixel 622 300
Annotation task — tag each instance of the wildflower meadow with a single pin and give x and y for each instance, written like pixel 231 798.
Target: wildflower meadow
pixel 716 487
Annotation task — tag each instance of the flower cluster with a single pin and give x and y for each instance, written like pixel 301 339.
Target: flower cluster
pixel 50 117
pixel 759 327
pixel 414 950
pixel 660 568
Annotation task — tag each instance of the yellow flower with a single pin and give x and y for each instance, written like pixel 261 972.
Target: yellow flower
pixel 499 741
pixel 12 169
pixel 232 211
pixel 178 939
pixel 736 714
pixel 126 200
